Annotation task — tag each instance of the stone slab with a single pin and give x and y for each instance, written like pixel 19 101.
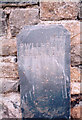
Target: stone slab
pixel 44 71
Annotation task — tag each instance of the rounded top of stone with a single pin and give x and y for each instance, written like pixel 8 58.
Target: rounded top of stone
pixel 40 30
pixel 42 26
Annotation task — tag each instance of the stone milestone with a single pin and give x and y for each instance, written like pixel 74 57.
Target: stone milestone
pixel 44 70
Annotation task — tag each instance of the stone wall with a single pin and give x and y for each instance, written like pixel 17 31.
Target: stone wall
pixel 12 18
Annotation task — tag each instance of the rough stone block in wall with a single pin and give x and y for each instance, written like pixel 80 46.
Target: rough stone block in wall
pixel 11 105
pixel 75 74
pixel 75 81
pixel 73 26
pixel 8 59
pixel 8 47
pixel 8 85
pixel 59 10
pixel 21 17
pixel 75 55
pixel 3 25
pixel 8 67
pixel 9 70
pixel 76 111
pixel 75 88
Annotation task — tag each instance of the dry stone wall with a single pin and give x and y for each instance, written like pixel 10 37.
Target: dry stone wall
pixel 15 16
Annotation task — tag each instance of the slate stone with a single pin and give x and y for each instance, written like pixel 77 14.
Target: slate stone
pixel 44 71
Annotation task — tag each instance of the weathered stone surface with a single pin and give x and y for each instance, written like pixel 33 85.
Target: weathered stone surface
pixel 75 74
pixel 8 67
pixel 8 85
pixel 44 69
pixel 75 88
pixel 75 99
pixel 75 55
pixel 59 10
pixel 8 47
pixel 75 39
pixel 75 49
pixel 11 105
pixel 74 28
pixel 8 70
pixel 76 112
pixel 21 17
pixel 3 25
pixel 8 59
